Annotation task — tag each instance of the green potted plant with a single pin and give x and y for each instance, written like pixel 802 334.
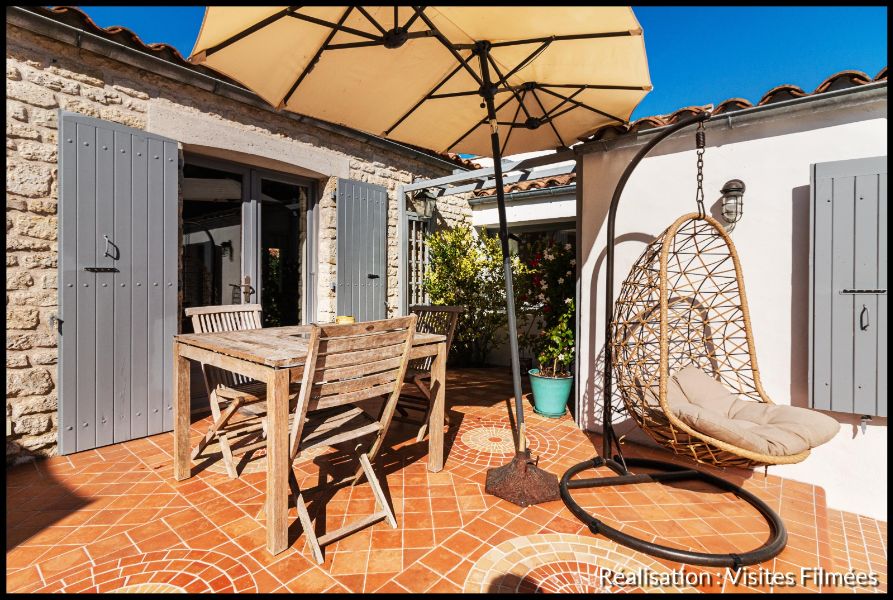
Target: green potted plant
pixel 553 381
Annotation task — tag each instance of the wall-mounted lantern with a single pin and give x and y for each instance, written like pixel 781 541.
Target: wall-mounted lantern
pixel 732 202
pixel 424 202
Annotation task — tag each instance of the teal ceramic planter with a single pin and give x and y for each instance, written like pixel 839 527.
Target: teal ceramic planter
pixel 550 394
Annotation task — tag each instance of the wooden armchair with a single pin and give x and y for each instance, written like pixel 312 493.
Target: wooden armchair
pixel 441 320
pixel 348 364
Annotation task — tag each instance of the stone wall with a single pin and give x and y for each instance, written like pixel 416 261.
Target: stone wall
pixel 43 76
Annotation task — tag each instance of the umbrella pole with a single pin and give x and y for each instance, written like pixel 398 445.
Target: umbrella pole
pixel 520 481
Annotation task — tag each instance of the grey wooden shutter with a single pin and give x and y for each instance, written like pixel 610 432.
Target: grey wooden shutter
pixel 362 250
pixel 848 308
pixel 118 260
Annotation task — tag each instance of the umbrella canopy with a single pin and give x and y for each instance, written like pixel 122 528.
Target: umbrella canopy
pixel 477 80
pixel 410 73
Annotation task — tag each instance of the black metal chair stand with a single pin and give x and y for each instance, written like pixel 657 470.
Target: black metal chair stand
pixel 670 472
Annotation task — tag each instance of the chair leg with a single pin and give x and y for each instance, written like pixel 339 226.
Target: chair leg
pixel 380 499
pixel 227 454
pixel 304 518
pixel 220 420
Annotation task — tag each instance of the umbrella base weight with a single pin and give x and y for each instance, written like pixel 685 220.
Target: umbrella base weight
pixel 521 482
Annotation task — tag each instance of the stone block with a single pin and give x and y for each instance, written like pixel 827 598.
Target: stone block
pixel 44 444
pixel 17 111
pixel 37 151
pixel 33 405
pixel 42 207
pixel 131 92
pixel 79 106
pixel 44 358
pixel 17 361
pixel 34 382
pixel 43 118
pixel 39 260
pixel 38 226
pixel 83 78
pixel 14 130
pixel 13 73
pixel 49 281
pixel 24 243
pixel 19 281
pixel 28 179
pixel 31 94
pixel 12 260
pixel 22 318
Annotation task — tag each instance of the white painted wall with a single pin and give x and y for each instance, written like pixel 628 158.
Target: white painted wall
pixel 772 154
pixel 536 211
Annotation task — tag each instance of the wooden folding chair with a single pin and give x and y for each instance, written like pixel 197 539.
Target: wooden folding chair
pixel 347 364
pixel 228 392
pixel 441 320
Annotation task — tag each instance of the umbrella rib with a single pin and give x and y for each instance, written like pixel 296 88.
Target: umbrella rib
pixel 551 113
pixel 505 144
pixel 333 26
pixel 502 79
pixel 552 116
pixel 440 37
pixel 563 38
pixel 548 119
pixel 524 62
pixel 586 106
pixel 371 20
pixel 411 20
pixel 315 58
pixel 596 86
pixel 453 94
pixel 420 102
pixel 476 125
pixel 248 31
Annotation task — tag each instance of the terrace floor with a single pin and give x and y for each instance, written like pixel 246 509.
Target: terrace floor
pixel 115 519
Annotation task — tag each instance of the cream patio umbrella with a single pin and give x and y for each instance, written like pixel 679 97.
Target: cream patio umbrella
pixel 467 79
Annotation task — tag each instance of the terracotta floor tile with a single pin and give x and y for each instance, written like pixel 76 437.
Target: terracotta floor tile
pixel 441 561
pixel 312 581
pixel 18 580
pixel 417 578
pixel 385 561
pixel 65 561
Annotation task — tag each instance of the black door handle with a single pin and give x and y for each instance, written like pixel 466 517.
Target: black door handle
pixel 864 318
pixel 372 276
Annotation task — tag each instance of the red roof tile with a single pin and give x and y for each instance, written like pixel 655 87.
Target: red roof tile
pixel 837 81
pixel 532 184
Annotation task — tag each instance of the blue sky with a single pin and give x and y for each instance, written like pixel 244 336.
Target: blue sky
pixel 696 55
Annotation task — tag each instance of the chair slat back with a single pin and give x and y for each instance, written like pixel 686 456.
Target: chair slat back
pixel 358 361
pixel 216 319
pixel 441 320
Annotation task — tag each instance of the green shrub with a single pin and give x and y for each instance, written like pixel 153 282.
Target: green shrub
pixel 467 270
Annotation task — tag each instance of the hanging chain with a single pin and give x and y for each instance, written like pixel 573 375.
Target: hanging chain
pixel 700 142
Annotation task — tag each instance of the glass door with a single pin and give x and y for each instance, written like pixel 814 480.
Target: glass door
pixel 283 209
pixel 213 218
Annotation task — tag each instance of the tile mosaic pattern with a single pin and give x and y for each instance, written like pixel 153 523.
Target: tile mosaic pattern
pixel 114 519
pixel 560 562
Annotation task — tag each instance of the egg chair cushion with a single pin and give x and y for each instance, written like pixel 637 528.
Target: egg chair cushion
pixel 708 407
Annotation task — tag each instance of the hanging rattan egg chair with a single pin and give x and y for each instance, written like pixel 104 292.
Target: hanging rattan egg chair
pixel 680 346
pixel 682 304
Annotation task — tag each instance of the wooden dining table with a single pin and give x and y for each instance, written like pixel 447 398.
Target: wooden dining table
pixel 275 356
